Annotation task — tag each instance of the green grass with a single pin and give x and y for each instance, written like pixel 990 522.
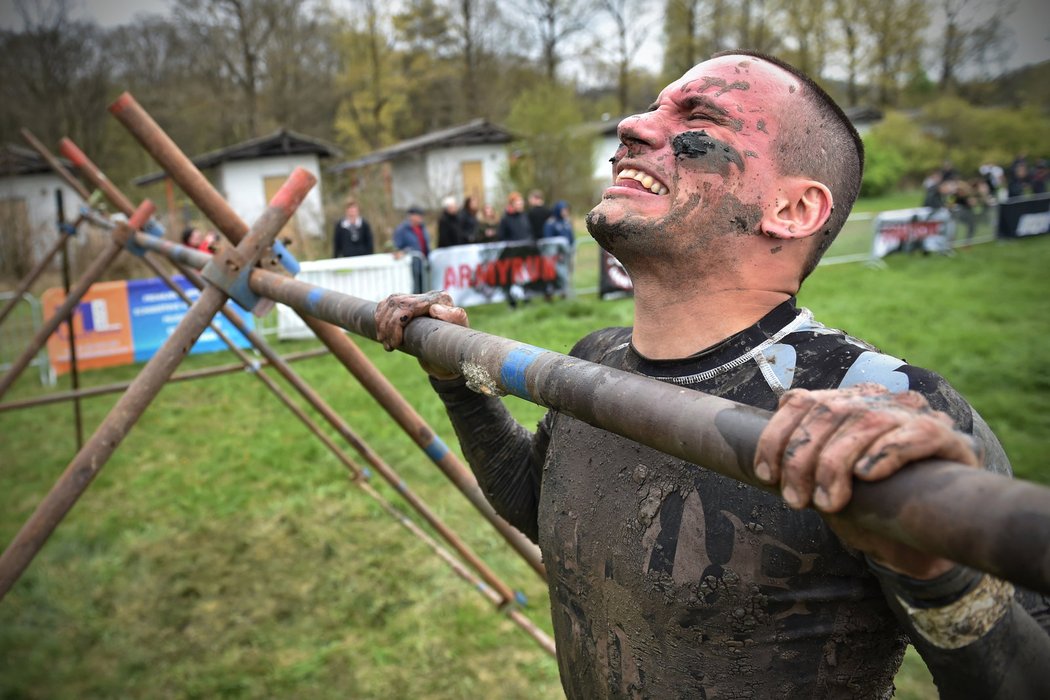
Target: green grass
pixel 223 553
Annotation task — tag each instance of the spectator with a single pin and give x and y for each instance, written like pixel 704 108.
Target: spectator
pixel 1018 181
pixel 192 237
pixel 538 214
pixel 1038 179
pixel 411 236
pixel 514 226
pixel 559 224
pixel 488 225
pixel 449 232
pixel 353 235
pixel 468 221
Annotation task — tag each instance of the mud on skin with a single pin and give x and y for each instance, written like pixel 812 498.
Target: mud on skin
pixel 706 153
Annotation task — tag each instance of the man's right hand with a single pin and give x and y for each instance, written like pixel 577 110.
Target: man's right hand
pixel 397 310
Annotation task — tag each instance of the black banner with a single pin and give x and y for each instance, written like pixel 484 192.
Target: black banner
pixel 1024 216
pixel 613 280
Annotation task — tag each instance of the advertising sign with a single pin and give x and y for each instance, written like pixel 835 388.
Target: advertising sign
pixel 485 273
pixel 1024 216
pixel 613 280
pixel 921 228
pixel 118 323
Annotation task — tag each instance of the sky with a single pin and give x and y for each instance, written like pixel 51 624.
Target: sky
pixel 1029 24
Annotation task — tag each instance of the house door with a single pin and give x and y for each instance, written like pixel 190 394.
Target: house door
pixel 291 229
pixel 473 182
pixel 16 254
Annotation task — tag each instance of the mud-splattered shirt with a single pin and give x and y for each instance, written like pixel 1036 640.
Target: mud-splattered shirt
pixel 671 581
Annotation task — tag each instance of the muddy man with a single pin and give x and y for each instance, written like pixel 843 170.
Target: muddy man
pixel 670 581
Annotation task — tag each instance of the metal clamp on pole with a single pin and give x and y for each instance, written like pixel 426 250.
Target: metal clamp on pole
pixel 228 271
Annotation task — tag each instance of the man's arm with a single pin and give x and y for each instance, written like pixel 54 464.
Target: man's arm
pixel 978 637
pixel 506 459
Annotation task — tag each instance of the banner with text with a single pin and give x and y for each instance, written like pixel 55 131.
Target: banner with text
pixel 118 323
pixel 904 230
pixel 1024 216
pixel 486 273
pixel 613 280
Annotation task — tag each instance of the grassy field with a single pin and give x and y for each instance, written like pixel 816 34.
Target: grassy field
pixel 222 552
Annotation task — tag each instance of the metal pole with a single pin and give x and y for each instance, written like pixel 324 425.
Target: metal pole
pixel 94 271
pixel 928 506
pixel 182 171
pixel 120 387
pixel 27 281
pixel 362 448
pixel 89 460
pixel 74 371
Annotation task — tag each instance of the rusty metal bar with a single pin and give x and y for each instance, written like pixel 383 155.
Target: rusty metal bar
pixel 26 282
pixel 74 371
pixel 65 309
pixel 336 421
pixel 92 173
pixel 211 203
pixel 56 165
pixel 89 460
pixel 928 506
pixel 530 628
pixel 119 387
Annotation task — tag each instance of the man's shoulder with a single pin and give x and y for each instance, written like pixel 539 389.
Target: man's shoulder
pixel 829 358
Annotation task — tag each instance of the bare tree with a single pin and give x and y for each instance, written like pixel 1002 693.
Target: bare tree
pixel 56 77
pixel 235 34
pixel 555 22
pixel 849 16
pixel 631 31
pixel 896 29
pixel 970 34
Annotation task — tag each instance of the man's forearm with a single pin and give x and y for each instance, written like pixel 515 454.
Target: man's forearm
pixel 504 456
pixel 976 638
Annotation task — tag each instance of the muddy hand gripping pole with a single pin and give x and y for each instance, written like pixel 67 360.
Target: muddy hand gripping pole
pixel 129 408
pixel 196 186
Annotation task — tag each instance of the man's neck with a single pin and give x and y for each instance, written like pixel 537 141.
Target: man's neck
pixel 669 324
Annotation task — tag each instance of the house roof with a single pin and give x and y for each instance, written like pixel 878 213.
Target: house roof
pixel 478 131
pixel 279 143
pixel 19 160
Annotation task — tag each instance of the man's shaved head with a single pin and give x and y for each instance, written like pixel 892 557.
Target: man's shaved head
pixel 818 141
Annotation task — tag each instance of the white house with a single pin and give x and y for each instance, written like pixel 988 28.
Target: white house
pixel 28 204
pixel 249 173
pixel 458 161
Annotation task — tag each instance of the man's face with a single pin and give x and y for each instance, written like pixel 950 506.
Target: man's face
pixel 517 204
pixel 699 165
pixel 415 219
pixel 352 212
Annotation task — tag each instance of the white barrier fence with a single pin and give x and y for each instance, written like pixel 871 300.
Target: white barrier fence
pixel 371 277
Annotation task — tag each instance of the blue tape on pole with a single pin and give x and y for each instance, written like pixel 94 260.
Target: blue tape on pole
pixel 154 228
pixel 520 598
pixel 512 373
pixel 314 298
pixel 286 258
pixel 436 450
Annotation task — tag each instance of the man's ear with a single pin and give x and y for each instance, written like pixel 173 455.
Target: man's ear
pixel 801 209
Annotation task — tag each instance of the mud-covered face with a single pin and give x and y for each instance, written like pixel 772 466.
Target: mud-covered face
pixel 699 165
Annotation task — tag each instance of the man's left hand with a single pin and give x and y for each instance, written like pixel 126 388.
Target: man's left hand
pixel 819 441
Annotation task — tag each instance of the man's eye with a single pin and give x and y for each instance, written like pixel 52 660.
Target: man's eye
pixel 696 116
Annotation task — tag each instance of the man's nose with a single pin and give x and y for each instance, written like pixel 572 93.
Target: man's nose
pixel 640 129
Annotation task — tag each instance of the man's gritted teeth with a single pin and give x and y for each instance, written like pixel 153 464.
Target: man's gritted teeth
pixel 637 179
